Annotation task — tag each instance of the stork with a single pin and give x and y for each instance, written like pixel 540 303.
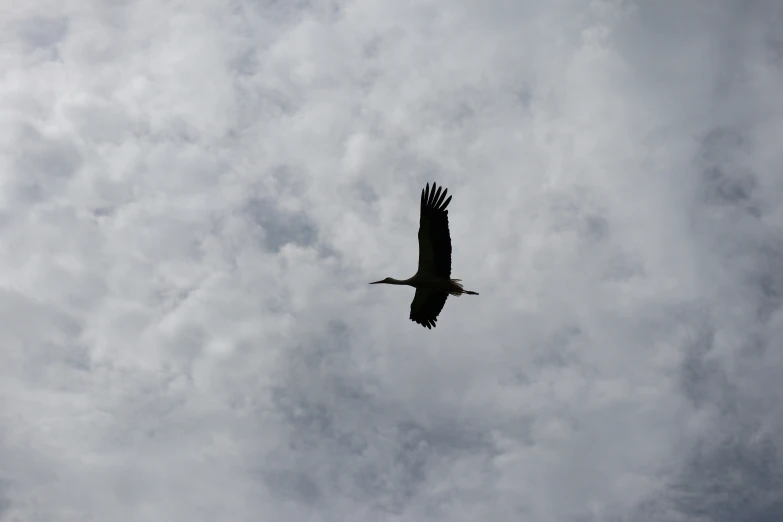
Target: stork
pixel 432 280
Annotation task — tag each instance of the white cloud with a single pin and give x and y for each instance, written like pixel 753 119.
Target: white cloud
pixel 195 196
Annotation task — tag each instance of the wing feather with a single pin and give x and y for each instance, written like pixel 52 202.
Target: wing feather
pixel 434 237
pixel 426 306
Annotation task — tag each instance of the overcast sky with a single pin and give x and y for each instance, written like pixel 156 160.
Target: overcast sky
pixel 195 194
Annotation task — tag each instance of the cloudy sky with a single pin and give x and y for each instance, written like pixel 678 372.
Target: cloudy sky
pixel 194 196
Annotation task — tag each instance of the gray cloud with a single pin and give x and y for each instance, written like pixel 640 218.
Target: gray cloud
pixel 194 198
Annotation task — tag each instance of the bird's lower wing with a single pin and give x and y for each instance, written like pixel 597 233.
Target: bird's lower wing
pixel 426 306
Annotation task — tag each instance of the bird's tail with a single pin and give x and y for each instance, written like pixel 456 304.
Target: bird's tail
pixel 457 289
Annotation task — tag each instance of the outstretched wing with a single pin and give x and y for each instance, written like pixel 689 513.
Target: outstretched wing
pixel 426 306
pixel 434 238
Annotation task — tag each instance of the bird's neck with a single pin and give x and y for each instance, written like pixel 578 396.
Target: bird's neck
pixel 393 281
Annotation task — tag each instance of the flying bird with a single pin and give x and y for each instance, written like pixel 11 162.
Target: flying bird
pixel 432 280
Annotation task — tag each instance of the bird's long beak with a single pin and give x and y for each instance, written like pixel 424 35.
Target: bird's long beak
pixel 376 282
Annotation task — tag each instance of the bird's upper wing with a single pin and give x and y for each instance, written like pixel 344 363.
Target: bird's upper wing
pixel 426 306
pixel 434 238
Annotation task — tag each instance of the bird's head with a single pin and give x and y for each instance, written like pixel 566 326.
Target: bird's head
pixel 388 280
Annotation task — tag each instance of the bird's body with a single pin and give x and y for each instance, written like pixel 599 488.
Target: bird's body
pixel 432 280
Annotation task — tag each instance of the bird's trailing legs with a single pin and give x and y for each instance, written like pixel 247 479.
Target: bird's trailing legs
pixel 458 290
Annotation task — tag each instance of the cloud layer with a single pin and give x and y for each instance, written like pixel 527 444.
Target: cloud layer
pixel 194 196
